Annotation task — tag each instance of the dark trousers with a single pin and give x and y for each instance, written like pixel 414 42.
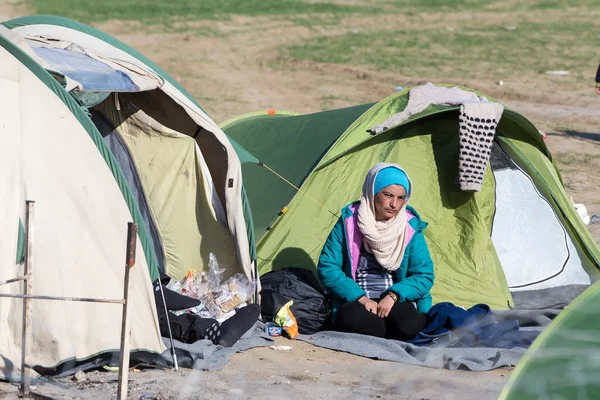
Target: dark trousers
pixel 402 323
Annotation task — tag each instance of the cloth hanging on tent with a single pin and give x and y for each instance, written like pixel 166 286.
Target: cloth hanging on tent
pixel 477 123
pixel 477 126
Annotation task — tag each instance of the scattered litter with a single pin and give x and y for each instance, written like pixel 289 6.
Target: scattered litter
pixel 136 370
pixel 595 219
pixel 273 329
pixel 501 83
pixel 281 347
pixel 583 214
pixel 510 28
pixel 398 88
pixel 111 369
pixel 285 318
pixel 218 299
pixel 281 382
pixel 557 72
pixel 79 376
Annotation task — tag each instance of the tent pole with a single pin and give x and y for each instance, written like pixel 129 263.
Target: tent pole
pixel 125 325
pixel 162 295
pixel 28 289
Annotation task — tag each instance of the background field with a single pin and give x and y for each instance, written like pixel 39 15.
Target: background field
pixel 307 56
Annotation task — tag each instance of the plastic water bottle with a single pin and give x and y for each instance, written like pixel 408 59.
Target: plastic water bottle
pixel 595 219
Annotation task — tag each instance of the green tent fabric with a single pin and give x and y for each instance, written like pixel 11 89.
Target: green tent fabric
pixel 20 243
pixel 289 144
pixel 467 266
pixel 563 361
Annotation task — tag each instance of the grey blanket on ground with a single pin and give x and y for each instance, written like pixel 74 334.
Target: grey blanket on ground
pixel 206 356
pixel 453 358
pixel 535 310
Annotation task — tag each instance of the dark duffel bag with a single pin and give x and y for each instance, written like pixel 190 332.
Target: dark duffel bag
pixel 311 307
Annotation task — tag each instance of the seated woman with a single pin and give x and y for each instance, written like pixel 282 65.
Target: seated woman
pixel 375 263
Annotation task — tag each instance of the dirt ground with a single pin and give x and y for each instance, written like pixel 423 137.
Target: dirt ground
pixel 242 71
pixel 305 372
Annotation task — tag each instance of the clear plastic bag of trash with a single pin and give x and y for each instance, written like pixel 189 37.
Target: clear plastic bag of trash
pixel 195 285
pixel 214 273
pixel 218 300
pixel 222 299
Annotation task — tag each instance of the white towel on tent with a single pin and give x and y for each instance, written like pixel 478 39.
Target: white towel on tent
pixel 478 120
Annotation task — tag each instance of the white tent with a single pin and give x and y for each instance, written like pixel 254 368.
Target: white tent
pixel 99 136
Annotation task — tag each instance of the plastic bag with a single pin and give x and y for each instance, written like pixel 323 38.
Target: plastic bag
pixel 218 300
pixel 214 273
pixel 241 285
pixel 286 320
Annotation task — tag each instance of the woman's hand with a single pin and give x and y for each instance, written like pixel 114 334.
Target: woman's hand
pixel 369 304
pixel 384 306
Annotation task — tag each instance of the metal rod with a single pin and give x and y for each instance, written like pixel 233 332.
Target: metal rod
pixel 125 328
pixel 58 298
pixel 28 288
pixel 20 278
pixel 173 354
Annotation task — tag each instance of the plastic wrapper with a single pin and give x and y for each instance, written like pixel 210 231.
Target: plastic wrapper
pixel 285 318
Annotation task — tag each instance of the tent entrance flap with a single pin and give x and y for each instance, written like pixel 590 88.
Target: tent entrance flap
pixel 180 196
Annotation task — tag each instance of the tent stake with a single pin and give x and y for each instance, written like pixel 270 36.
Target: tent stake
pixel 125 328
pixel 28 289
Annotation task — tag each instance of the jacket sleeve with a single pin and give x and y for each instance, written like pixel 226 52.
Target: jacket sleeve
pixel 419 275
pixel 330 269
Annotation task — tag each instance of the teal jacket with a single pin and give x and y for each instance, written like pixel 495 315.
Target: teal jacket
pixel 339 259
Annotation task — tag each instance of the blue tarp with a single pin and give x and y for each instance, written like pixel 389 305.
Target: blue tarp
pixel 94 75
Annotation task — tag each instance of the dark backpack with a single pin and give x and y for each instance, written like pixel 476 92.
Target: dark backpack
pixel 311 307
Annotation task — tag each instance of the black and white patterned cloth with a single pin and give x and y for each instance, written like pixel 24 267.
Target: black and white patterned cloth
pixel 477 123
pixel 371 276
pixel 478 120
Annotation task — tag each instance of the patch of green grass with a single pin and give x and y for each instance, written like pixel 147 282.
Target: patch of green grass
pixel 312 21
pixel 439 5
pixel 474 49
pixel 158 11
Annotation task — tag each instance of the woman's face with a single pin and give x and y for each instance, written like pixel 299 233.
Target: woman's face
pixel 389 201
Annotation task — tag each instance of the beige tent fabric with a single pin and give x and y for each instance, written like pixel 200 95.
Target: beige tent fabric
pixel 232 183
pixel 10 196
pixel 169 165
pixel 80 231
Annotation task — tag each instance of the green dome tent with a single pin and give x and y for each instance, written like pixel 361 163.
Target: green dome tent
pixel 98 135
pixel 519 232
pixel 563 361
